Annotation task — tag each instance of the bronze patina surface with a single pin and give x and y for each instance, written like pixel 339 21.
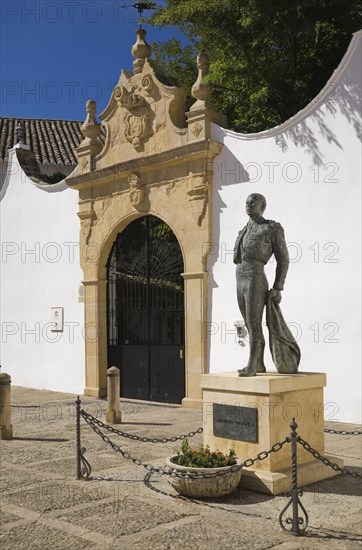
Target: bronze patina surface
pixel 256 243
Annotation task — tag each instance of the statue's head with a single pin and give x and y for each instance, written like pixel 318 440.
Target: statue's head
pixel 255 204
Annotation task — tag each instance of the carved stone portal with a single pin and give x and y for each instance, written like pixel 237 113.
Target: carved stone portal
pixel 156 160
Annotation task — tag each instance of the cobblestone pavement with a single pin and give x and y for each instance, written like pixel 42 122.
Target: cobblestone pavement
pixel 43 506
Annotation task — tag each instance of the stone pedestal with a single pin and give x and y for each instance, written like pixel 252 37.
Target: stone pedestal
pixel 6 429
pixel 274 399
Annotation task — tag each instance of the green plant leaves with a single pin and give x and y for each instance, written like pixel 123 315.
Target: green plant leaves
pixel 203 457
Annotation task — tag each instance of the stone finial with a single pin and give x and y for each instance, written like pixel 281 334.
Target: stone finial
pixel 200 90
pixel 91 128
pixel 202 113
pixel 90 146
pixel 141 51
pixel 20 132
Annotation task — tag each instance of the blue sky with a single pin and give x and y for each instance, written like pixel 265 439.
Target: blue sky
pixel 56 54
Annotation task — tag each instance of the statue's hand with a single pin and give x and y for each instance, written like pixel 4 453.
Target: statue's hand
pixel 276 295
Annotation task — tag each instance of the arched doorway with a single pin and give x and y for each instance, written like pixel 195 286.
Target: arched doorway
pixel 145 311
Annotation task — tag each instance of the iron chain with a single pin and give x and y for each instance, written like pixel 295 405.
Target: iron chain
pixel 136 437
pixel 325 460
pixel 91 421
pixel 96 424
pixel 342 432
pixel 264 454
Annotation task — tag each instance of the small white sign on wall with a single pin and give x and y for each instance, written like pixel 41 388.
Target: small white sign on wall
pixel 56 319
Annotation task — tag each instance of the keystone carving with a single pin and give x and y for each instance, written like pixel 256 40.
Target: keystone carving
pixel 136 193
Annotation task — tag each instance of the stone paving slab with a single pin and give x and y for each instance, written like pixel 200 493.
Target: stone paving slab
pixel 199 536
pixel 44 507
pixel 47 496
pixel 123 517
pixel 40 537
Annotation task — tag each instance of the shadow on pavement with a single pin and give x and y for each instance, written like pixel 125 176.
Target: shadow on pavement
pixel 339 485
pixel 47 439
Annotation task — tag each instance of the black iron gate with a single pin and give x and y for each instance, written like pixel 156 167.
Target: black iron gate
pixel 146 311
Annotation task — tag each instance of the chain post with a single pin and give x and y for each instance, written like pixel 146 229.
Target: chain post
pixel 83 467
pixel 295 521
pixel 294 492
pixel 77 405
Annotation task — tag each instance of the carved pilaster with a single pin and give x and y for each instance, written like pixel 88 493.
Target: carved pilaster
pixel 87 218
pixel 198 196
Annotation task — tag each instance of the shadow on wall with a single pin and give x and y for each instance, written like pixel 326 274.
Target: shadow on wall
pixel 345 98
pixel 238 175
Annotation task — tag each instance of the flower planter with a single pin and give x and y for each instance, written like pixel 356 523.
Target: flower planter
pixel 207 487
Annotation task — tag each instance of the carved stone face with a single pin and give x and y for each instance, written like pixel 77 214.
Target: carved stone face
pixel 255 205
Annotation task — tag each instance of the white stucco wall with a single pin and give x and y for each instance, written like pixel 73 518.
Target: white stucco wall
pixel 309 170
pixel 39 270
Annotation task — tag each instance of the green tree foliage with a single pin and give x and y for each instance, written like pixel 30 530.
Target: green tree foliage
pixel 269 58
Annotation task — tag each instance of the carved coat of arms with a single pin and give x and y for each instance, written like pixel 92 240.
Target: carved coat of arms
pixel 137 119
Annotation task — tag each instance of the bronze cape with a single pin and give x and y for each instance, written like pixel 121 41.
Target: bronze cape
pixel 283 346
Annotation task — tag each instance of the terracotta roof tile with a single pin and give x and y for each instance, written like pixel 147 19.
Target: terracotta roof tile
pixel 52 141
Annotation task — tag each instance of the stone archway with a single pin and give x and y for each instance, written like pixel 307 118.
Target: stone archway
pixel 145 311
pixel 191 238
